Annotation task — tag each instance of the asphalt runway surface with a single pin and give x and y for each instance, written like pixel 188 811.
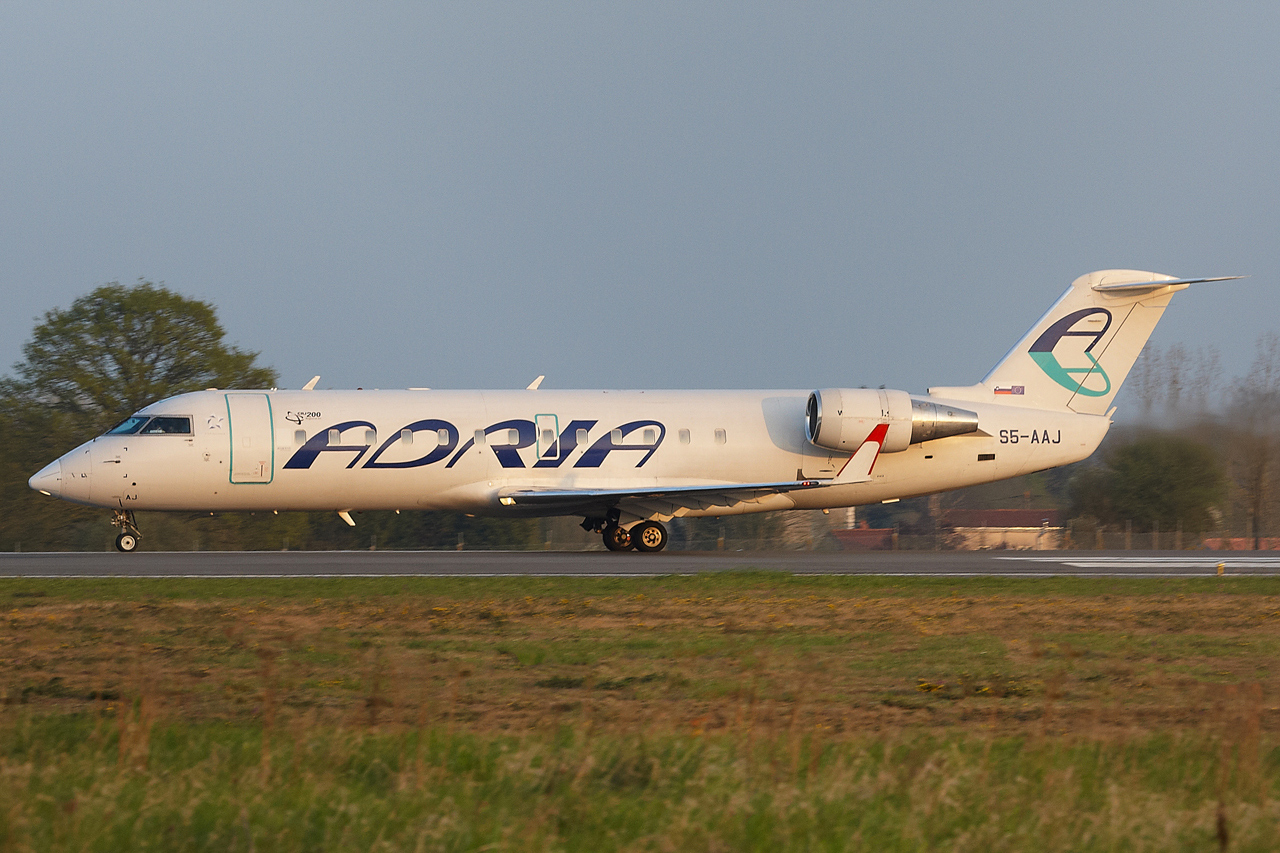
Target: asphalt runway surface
pixel 283 564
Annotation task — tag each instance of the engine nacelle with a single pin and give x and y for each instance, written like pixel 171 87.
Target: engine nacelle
pixel 842 418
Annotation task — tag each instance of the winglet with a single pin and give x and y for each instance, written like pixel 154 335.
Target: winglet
pixel 858 468
pixel 345 515
pixel 311 386
pixel 533 386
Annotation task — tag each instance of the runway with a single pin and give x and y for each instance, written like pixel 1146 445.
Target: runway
pixel 331 564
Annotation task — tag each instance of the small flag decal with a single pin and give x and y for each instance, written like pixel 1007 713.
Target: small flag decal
pixel 1016 390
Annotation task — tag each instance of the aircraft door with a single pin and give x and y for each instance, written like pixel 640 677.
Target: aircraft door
pixel 252 438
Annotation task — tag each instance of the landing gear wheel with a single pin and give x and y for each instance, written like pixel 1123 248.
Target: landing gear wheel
pixel 649 536
pixel 617 539
pixel 127 541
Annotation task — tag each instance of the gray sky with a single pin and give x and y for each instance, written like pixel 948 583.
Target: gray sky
pixel 661 195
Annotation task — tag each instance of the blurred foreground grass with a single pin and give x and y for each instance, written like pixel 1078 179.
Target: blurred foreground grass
pixel 73 783
pixel 739 712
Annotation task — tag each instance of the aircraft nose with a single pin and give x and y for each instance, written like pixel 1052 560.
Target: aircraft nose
pixel 48 480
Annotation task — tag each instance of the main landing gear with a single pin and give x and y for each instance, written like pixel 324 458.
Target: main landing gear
pixel 617 539
pixel 645 536
pixel 649 536
pixel 127 541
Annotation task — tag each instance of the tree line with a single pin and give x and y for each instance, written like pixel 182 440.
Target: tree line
pixel 1204 437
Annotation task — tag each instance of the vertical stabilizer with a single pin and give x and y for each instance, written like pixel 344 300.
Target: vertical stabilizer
pixel 1078 354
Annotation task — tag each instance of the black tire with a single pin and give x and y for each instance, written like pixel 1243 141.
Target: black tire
pixel 617 539
pixel 649 536
pixel 126 542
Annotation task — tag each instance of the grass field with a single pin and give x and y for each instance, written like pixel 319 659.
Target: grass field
pixel 753 711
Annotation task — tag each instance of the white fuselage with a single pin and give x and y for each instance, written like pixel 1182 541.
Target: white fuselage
pixel 369 450
pixel 627 461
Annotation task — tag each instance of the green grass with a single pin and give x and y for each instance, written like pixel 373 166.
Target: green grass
pixel 27 593
pixel 80 783
pixel 753 711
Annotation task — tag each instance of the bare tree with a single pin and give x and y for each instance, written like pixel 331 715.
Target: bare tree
pixel 1174 364
pixel 1254 424
pixel 1204 380
pixel 1145 380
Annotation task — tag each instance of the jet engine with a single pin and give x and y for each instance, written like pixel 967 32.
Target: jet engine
pixel 842 418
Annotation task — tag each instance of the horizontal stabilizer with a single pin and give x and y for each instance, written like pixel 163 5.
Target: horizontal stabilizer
pixel 1142 286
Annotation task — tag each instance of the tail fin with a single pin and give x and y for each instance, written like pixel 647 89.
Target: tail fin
pixel 1077 355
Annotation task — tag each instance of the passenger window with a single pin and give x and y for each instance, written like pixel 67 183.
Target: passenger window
pixel 684 436
pixel 406 436
pixel 299 437
pixel 615 436
pixel 335 437
pixel 582 436
pixel 721 436
pixel 513 436
pixel 548 436
pixel 442 437
pixel 650 436
pixel 481 438
pixel 370 438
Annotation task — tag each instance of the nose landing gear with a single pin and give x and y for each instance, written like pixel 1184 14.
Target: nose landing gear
pixel 127 541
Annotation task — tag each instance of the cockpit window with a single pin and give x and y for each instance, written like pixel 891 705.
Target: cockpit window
pixel 167 425
pixel 128 426
pixel 159 425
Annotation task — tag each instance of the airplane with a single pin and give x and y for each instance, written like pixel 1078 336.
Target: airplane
pixel 627 462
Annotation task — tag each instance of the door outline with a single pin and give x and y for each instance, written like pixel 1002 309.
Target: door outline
pixel 270 461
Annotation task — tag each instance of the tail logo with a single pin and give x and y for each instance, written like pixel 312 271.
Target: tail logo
pixel 1082 374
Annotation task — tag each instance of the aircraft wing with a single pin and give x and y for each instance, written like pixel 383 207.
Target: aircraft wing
pixel 721 494
pixel 654 501
pixel 669 501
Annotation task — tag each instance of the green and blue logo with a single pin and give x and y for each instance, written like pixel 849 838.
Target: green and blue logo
pixel 1080 378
